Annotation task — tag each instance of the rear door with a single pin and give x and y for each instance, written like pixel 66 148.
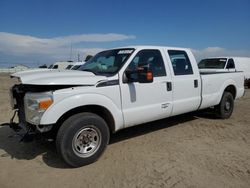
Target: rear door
pixel 186 82
pixel 143 102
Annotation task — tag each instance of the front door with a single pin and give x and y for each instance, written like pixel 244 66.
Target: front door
pixel 143 102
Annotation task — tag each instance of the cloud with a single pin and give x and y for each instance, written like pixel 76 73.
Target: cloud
pixel 218 51
pixel 25 47
pixel 16 48
pixel 26 39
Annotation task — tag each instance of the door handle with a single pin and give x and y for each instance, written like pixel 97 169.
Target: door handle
pixel 195 83
pixel 169 86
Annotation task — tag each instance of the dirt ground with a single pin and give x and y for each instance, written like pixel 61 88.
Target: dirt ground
pixel 191 150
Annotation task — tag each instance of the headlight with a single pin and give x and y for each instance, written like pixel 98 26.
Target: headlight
pixel 35 105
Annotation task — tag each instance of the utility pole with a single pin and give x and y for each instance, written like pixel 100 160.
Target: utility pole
pixel 70 51
pixel 78 57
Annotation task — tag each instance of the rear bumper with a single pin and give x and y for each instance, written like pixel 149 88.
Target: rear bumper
pixel 240 93
pixel 247 83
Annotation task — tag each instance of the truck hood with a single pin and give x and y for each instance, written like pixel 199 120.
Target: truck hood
pixel 58 77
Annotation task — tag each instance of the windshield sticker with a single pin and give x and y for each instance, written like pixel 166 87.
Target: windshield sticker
pixel 125 51
pixel 223 60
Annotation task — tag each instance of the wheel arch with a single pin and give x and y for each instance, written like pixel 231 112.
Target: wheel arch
pixel 95 103
pixel 231 89
pixel 96 109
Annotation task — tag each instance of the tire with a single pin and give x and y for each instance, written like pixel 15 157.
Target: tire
pixel 225 109
pixel 82 139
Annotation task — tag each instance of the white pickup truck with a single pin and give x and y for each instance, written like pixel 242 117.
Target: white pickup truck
pixel 227 64
pixel 117 88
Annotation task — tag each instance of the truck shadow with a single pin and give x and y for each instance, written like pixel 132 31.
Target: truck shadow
pixel 161 124
pixel 208 113
pixel 146 128
pixel 14 149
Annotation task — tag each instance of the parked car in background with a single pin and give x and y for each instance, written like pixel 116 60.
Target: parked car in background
pixel 227 64
pixel 75 65
pixel 61 65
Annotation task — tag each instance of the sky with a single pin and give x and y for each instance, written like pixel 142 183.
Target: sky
pixel 36 32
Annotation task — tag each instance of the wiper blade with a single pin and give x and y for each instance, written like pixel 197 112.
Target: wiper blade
pixel 102 72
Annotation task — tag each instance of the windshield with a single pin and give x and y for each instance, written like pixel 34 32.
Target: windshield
pixel 107 62
pixel 216 63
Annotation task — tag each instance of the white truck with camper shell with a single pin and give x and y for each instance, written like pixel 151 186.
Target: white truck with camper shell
pixel 77 65
pixel 116 89
pixel 60 65
pixel 227 64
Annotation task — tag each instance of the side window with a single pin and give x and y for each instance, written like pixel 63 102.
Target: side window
pixel 180 62
pixel 230 64
pixel 153 58
pixel 55 67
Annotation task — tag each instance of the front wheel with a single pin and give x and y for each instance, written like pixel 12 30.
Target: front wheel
pixel 82 139
pixel 225 109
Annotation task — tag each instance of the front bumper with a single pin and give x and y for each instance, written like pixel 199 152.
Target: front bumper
pixel 27 127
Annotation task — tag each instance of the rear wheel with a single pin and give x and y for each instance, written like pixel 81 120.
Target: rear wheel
pixel 225 109
pixel 82 139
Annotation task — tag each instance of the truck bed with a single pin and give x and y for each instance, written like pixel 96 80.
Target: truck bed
pixel 213 84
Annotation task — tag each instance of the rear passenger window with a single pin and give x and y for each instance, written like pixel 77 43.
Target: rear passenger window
pixel 230 64
pixel 180 62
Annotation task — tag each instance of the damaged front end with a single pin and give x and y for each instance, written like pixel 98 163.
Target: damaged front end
pixel 25 101
pixel 17 93
pixel 29 102
pixel 34 93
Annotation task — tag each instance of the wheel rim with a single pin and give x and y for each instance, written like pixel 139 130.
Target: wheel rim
pixel 86 141
pixel 228 105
